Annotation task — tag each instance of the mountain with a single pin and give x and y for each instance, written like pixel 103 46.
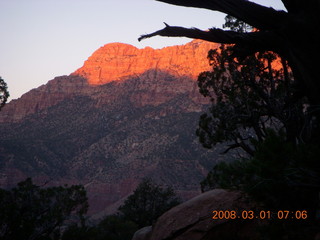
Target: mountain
pixel 128 113
pixel 116 61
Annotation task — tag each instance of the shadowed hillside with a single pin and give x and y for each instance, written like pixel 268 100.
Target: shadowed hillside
pixel 107 137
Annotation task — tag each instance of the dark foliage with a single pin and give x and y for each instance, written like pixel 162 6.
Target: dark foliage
pixel 249 96
pixel 30 212
pixel 280 174
pixel 148 202
pixel 254 107
pixel 4 94
pixel 116 227
pixel 79 232
pixel 113 227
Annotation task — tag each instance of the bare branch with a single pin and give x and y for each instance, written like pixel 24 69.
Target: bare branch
pixel 247 43
pixel 254 14
pixel 212 35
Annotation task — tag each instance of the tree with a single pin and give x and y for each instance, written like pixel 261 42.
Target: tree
pixel 4 94
pixel 282 171
pixel 248 97
pixel 30 212
pixel 251 109
pixel 279 176
pixel 148 202
pixel 112 227
pixel 293 34
pixel 74 231
pixel 116 227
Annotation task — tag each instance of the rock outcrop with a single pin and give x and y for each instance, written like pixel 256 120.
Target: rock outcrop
pixel 43 97
pixel 193 219
pixel 143 233
pixel 118 61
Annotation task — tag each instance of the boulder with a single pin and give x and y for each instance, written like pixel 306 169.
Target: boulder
pixel 194 219
pixel 143 233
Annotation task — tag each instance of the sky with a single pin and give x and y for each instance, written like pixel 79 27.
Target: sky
pixel 42 39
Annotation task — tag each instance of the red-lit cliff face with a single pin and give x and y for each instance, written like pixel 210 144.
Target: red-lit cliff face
pixel 47 95
pixel 118 61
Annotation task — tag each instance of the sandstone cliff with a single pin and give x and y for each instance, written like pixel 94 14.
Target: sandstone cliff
pixel 118 61
pixel 115 62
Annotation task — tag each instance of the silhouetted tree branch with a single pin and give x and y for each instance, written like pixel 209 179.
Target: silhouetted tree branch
pixel 254 14
pixel 248 43
pixel 293 34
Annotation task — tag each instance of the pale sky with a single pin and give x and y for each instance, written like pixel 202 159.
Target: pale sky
pixel 42 39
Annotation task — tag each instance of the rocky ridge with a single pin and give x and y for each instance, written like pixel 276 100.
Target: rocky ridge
pixel 109 131
pixel 115 62
pixel 106 65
